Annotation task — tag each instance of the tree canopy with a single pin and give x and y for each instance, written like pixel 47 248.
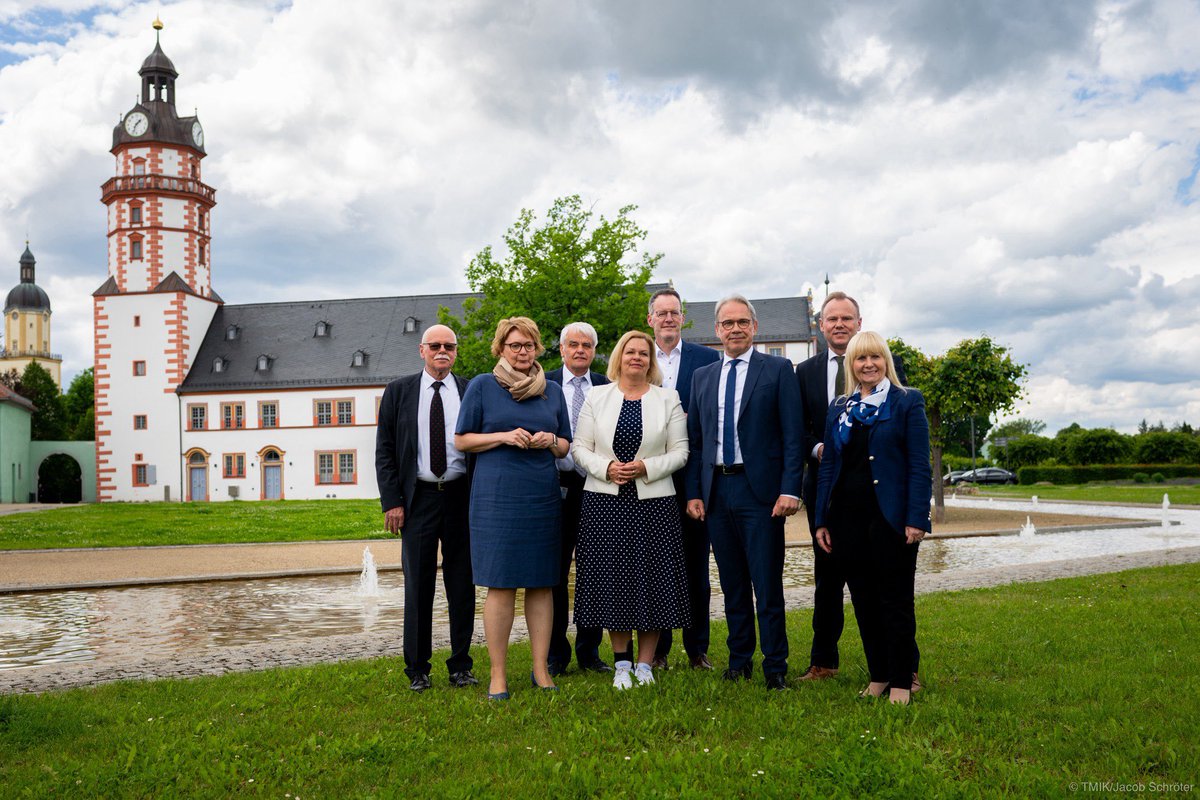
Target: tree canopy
pixel 577 266
pixel 38 387
pixel 976 377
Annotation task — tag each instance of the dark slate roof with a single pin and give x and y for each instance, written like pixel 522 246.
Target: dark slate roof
pixel 157 61
pixel 285 333
pixel 780 319
pixel 27 296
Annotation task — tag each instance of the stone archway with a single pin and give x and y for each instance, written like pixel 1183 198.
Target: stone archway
pixel 59 479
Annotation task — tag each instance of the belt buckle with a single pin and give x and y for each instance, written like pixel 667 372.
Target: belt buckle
pixel 441 484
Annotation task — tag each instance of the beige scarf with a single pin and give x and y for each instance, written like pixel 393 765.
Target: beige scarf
pixel 520 385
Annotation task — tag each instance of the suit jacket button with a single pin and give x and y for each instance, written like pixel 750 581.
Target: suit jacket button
pixel 870 458
pixel 875 482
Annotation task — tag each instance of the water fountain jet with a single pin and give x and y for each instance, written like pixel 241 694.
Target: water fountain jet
pixel 368 580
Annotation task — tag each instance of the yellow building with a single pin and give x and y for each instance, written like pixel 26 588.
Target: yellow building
pixel 27 325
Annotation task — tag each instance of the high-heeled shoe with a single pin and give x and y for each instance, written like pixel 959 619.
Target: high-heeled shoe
pixel 866 693
pixel 533 681
pixel 498 695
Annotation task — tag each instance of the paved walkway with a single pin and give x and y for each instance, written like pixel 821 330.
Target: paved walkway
pixel 331 649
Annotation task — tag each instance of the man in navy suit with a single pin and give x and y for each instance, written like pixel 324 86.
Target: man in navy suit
pixel 424 490
pixel 577 343
pixel 818 380
pixel 745 431
pixel 677 360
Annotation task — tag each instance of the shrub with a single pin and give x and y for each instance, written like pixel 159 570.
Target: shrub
pixel 1160 447
pixel 1097 446
pixel 1070 475
pixel 1158 477
pixel 1141 477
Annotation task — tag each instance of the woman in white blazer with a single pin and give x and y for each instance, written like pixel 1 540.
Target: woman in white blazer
pixel 631 437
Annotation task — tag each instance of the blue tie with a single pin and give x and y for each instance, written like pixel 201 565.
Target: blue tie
pixel 727 452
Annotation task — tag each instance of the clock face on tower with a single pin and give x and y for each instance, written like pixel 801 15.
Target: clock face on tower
pixel 136 123
pixel 197 134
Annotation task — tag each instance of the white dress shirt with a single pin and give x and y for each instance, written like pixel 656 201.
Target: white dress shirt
pixel 742 369
pixel 567 463
pixel 456 462
pixel 668 365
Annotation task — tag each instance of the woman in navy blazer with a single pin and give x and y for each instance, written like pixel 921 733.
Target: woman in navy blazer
pixel 872 512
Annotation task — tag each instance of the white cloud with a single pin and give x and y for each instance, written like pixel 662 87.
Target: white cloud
pixel 1017 175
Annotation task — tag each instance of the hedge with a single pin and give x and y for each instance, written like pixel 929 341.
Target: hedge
pixel 1070 476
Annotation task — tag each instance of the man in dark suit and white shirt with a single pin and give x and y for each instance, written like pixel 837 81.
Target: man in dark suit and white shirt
pixel 425 493
pixel 745 433
pixel 821 380
pixel 577 343
pixel 677 360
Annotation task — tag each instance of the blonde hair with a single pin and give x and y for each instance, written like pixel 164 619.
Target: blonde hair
pixel 521 324
pixel 868 343
pixel 653 374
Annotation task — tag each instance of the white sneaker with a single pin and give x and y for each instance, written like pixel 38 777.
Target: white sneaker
pixel 621 679
pixel 644 674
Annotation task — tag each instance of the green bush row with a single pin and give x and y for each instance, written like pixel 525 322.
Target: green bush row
pixel 1070 475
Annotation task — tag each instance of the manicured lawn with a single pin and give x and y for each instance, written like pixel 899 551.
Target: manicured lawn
pixel 1133 493
pixel 125 524
pixel 1032 690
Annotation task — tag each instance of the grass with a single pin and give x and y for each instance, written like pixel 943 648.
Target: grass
pixel 1103 492
pixel 129 524
pixel 1031 690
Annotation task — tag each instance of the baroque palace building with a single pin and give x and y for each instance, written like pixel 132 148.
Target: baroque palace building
pixel 201 400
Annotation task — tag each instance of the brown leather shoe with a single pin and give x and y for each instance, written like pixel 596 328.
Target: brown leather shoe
pixel 701 662
pixel 815 673
pixel 916 684
pixel 659 662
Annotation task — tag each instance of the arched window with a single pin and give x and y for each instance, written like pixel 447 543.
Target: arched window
pixel 197 458
pixel 264 363
pixel 410 325
pixel 218 364
pixel 271 456
pixel 322 329
pixel 231 333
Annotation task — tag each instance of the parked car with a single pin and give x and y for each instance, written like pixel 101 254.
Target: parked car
pixel 985 475
pixel 951 477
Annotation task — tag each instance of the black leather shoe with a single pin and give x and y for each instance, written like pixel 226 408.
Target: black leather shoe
pixel 596 666
pixel 776 682
pixel 732 674
pixel 463 679
pixel 420 683
pixel 555 669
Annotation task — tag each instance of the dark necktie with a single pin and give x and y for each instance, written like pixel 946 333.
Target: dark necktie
pixel 839 382
pixel 437 433
pixel 730 431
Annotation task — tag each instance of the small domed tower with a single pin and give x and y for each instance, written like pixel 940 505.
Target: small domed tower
pixel 27 324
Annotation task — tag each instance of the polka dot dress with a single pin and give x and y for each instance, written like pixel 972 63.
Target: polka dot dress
pixel 629 559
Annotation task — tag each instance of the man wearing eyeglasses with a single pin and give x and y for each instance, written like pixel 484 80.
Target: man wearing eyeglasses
pixel 678 360
pixel 577 343
pixel 425 493
pixel 745 431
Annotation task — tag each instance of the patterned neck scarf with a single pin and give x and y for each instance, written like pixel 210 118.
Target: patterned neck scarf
pixel 520 385
pixel 860 411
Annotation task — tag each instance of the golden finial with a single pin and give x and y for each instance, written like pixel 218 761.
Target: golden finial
pixel 157 24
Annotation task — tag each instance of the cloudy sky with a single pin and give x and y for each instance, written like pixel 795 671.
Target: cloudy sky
pixel 1022 169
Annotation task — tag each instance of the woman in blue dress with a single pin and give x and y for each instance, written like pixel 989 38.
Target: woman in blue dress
pixel 516 423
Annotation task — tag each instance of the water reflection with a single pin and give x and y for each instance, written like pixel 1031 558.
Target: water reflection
pixel 178 619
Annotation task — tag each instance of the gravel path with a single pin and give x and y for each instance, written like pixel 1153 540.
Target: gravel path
pixel 331 649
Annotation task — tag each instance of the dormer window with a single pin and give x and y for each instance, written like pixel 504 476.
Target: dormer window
pixel 359 359
pixel 231 333
pixel 219 364
pixel 322 329
pixel 410 325
pixel 264 363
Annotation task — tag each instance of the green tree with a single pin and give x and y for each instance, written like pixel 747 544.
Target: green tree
pixel 1159 447
pixel 1017 427
pixel 38 387
pixel 1097 446
pixel 79 408
pixel 1026 450
pixel 975 377
pixel 576 267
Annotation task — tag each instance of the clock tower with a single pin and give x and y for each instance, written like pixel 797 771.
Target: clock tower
pixel 152 312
